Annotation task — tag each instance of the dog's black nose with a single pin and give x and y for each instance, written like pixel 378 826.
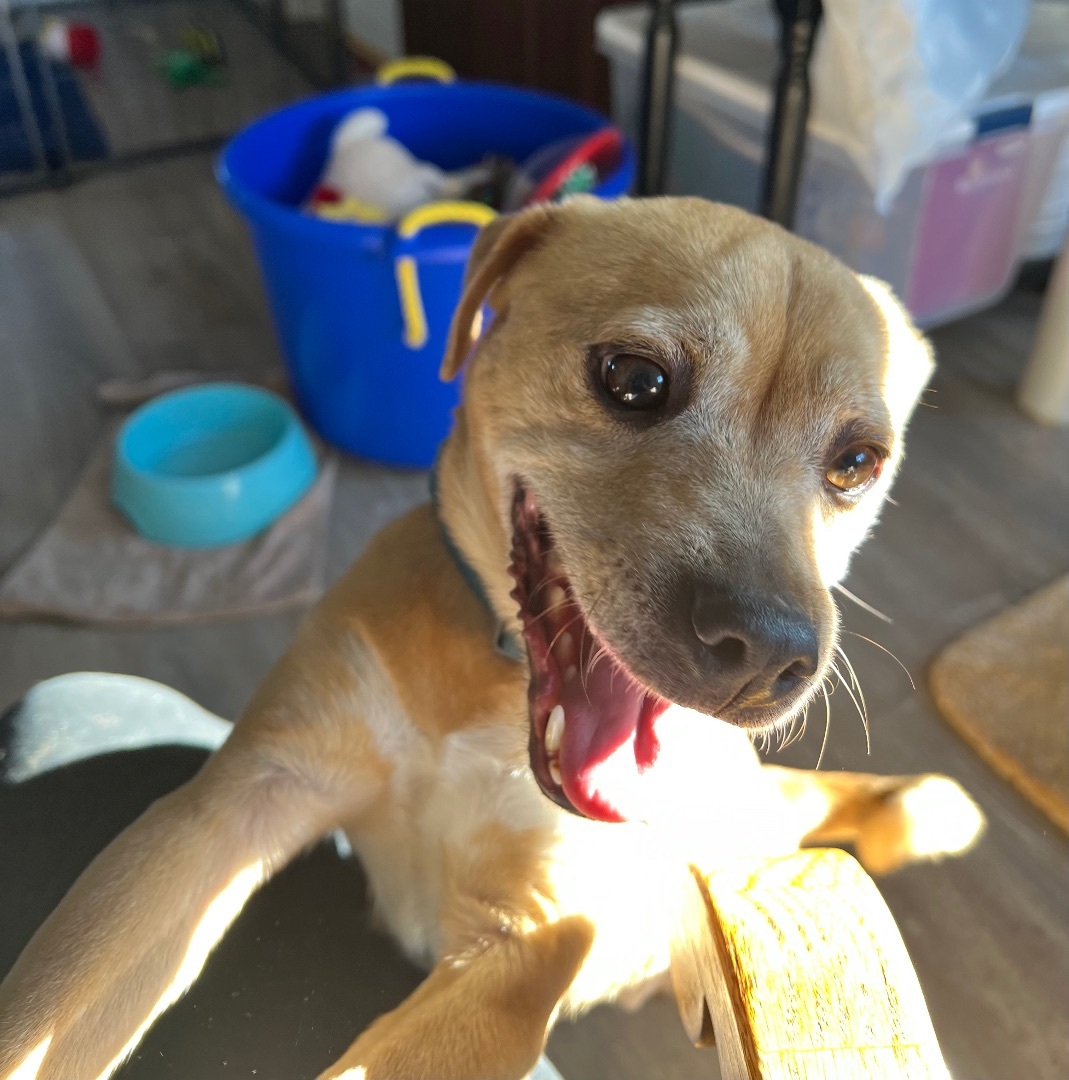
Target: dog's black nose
pixel 757 649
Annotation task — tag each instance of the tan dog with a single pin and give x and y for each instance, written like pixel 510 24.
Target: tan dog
pixel 677 429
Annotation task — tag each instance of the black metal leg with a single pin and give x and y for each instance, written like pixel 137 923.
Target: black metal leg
pixel 340 60
pixel 657 82
pixel 786 144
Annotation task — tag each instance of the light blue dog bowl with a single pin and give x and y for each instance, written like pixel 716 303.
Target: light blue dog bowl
pixel 210 465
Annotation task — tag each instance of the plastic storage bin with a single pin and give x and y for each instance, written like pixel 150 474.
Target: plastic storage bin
pixel 363 310
pixel 997 192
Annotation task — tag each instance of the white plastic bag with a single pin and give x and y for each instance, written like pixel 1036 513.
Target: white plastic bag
pixel 894 77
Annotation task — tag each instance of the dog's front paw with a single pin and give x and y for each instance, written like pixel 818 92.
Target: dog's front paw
pixel 926 818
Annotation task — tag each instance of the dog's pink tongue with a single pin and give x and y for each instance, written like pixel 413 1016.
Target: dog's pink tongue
pixel 608 742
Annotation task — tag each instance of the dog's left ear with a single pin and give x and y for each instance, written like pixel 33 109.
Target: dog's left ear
pixel 908 363
pixel 497 249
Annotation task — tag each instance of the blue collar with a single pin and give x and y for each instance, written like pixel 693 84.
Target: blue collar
pixel 505 642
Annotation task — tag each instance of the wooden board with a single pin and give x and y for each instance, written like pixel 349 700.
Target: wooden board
pixel 794 968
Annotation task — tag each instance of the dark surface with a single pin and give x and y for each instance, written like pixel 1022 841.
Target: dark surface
pixel 84 139
pixel 277 996
pixel 147 271
pixel 288 967
pixel 542 44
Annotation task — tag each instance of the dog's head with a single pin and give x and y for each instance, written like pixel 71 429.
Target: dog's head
pixel 687 420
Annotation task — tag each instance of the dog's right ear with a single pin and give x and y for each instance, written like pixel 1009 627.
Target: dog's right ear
pixel 497 249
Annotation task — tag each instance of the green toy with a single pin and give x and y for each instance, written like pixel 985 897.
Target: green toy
pixel 182 68
pixel 198 62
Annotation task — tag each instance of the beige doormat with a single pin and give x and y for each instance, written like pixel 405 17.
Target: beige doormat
pixel 1004 687
pixel 89 566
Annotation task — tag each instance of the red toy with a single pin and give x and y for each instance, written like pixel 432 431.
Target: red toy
pixel 565 168
pixel 74 43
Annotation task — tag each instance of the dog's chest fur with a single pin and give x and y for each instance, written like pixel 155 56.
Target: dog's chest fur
pixel 464 847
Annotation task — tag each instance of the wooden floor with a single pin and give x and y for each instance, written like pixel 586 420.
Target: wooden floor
pixel 148 270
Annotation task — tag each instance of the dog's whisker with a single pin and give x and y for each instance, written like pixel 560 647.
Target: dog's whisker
pixel 862 708
pixel 827 722
pixel 864 604
pixel 853 677
pixel 549 610
pixel 597 600
pixel 786 735
pixel 801 726
pixel 547 580
pixel 791 734
pixel 889 653
pixel 585 669
pixel 570 623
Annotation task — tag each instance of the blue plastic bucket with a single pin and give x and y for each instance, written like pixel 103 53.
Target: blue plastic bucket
pixel 333 287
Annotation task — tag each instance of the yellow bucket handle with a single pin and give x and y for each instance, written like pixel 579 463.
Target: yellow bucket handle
pixel 438 213
pixel 415 67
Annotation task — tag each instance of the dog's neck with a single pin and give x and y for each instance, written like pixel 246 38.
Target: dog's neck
pixel 466 493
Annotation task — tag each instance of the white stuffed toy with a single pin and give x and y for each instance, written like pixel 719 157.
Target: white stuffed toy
pixel 370 177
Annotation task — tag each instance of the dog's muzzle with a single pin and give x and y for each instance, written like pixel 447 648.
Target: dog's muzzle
pixel 756 651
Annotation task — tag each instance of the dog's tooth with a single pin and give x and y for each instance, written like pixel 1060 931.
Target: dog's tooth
pixel 555 597
pixel 554 729
pixel 554 565
pixel 571 673
pixel 554 772
pixel 564 649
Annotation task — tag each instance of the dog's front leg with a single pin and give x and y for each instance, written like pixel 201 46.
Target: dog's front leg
pixel 134 931
pixel 890 820
pixel 480 1017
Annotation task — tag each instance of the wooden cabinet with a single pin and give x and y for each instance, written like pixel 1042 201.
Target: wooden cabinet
pixel 544 44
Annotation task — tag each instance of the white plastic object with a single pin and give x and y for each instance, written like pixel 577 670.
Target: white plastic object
pixel 1006 194
pixel 1044 390
pixel 55 40
pixel 892 76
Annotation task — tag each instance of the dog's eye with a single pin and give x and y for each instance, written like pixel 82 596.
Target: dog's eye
pixel 635 382
pixel 855 469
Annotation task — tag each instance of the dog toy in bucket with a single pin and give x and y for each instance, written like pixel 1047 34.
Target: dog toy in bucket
pixel 372 178
pixel 569 167
pixel 363 307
